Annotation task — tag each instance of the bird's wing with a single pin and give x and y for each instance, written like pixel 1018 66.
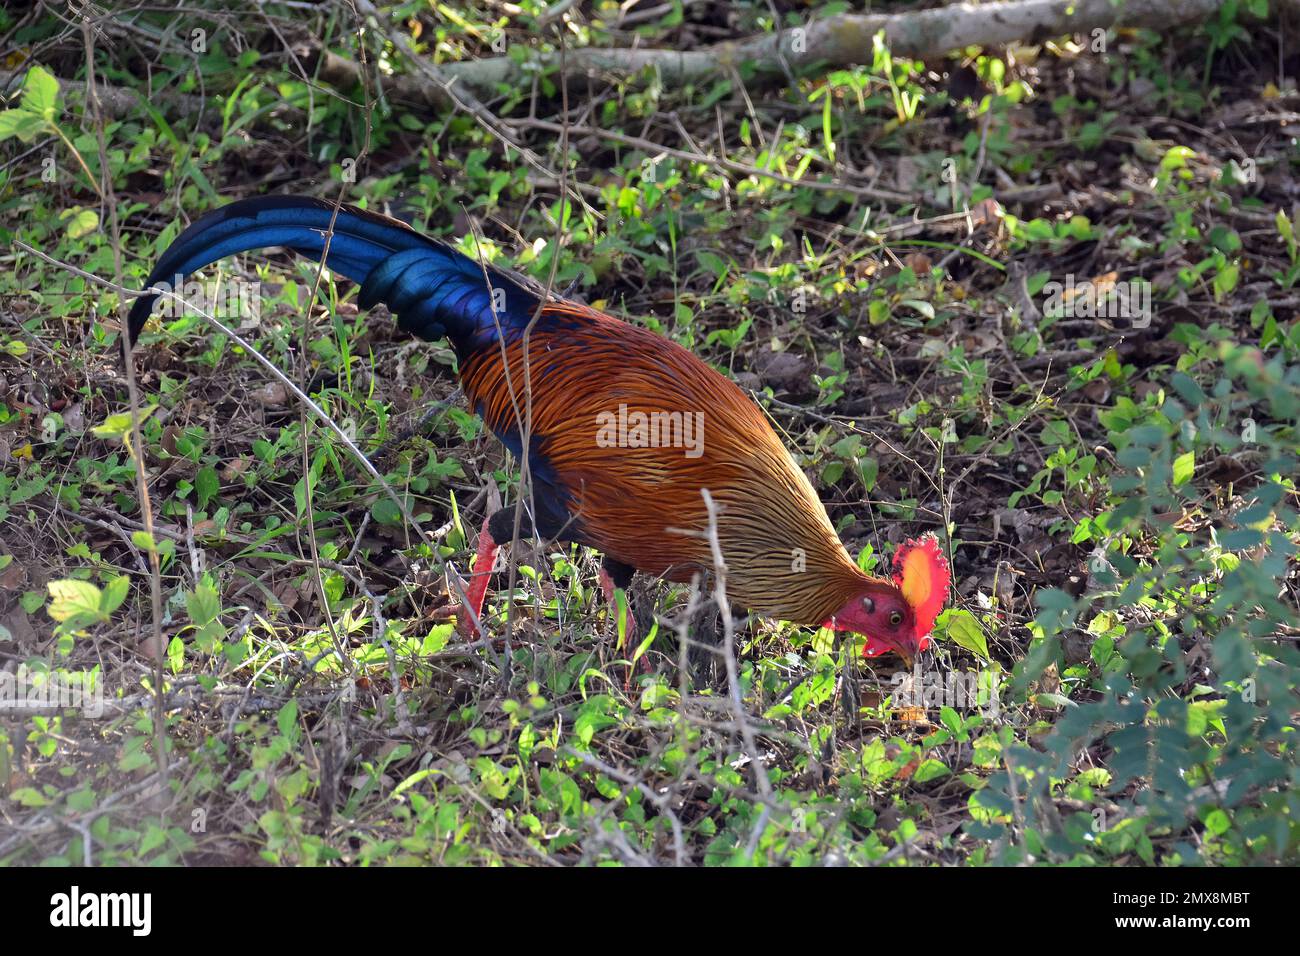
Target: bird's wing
pixel 632 427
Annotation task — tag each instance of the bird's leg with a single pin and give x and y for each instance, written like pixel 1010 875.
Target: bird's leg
pixel 478 583
pixel 613 576
pixel 498 529
pixel 608 586
pixel 476 588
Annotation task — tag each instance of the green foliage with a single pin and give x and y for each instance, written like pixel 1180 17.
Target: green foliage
pixel 1208 743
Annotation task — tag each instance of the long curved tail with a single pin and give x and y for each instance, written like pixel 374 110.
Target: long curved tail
pixel 433 290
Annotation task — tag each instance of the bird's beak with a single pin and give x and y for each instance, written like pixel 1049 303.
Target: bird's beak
pixel 907 659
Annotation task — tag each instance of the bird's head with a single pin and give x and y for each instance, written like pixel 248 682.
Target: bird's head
pixel 897 615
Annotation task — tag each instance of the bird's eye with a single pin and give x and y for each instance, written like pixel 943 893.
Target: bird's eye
pixel 869 605
pixel 896 618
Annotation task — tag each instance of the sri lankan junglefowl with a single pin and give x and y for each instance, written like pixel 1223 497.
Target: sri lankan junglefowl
pixel 627 428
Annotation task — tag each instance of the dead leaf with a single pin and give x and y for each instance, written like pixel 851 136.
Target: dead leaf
pixel 14 577
pixel 911 715
pixel 234 468
pixel 287 595
pixel 785 370
pixel 272 393
pixel 20 627
pixel 918 262
pixel 169 436
pixel 148 649
pixel 74 419
pixel 906 172
pixel 985 212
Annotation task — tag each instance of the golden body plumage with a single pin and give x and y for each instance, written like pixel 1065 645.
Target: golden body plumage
pixel 642 505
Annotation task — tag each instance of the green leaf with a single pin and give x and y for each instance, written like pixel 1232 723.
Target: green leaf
pixel 921 306
pixel 206 485
pixel 868 470
pixel 1056 433
pixel 1239 539
pixel 203 604
pixel 948 717
pixel 20 123
pixel 1217 822
pixel 1053 700
pixel 929 770
pixel 41 93
pixel 176 654
pixel 963 630
pixel 711 262
pixel 1186 386
pixel 1034 284
pixel 385 512
pixel 28 797
pixel 81 222
pixel 1184 468
pixel 1226 280
pixel 287 719
pixel 119 425
pixel 114 594
pixel 620 602
pixel 827 137
pixel 75 601
pixel 438 637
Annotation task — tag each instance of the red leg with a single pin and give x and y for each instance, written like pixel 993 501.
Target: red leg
pixel 476 588
pixel 483 562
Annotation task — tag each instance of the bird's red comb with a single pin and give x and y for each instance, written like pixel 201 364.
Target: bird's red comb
pixel 921 573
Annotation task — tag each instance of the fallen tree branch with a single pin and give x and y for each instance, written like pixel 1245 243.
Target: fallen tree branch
pixel 440 87
pixel 115 101
pixel 833 42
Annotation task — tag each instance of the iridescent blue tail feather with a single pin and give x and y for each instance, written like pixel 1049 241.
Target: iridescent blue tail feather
pixel 433 290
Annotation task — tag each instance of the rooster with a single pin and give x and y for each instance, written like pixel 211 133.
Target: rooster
pixel 627 428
